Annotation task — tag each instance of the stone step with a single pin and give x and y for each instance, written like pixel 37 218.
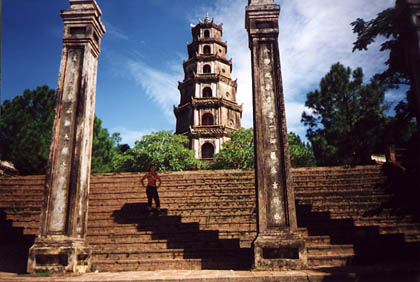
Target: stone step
pixel 215 219
pixel 336 169
pixel 22 198
pixel 186 175
pixel 21 189
pixel 328 249
pixel 169 192
pixel 313 185
pixel 342 176
pixel 20 204
pixel 328 261
pixel 234 258
pixel 171 187
pixel 147 241
pixel 317 240
pixel 145 265
pixel 170 264
pixel 172 228
pixel 23 180
pixel 166 181
pixel 245 214
pixel 143 236
pixel 358 221
pixel 402 228
pixel 369 199
pixel 118 204
pixel 172 199
pixel 169 246
pixel 348 207
pixel 343 194
pixel 201 212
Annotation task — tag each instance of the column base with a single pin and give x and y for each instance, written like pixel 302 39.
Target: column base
pixel 281 250
pixel 59 254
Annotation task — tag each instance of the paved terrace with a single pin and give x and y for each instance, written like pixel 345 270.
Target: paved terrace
pixel 406 272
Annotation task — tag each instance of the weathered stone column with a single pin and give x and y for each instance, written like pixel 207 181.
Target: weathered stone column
pixel 61 245
pixel 278 244
pixel 412 49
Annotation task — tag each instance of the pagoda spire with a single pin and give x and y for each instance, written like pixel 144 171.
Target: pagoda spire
pixel 207 19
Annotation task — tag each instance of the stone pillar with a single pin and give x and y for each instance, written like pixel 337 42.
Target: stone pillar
pixel 413 61
pixel 278 244
pixel 61 245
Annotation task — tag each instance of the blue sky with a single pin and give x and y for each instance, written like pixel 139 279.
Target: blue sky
pixel 141 59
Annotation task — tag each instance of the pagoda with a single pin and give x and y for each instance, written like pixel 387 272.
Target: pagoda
pixel 208 112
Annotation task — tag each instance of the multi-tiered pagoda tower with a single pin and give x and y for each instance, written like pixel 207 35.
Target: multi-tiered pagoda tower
pixel 208 112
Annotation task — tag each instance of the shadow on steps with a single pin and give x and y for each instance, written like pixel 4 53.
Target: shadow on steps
pixel 214 253
pixel 370 247
pixel 405 191
pixel 14 246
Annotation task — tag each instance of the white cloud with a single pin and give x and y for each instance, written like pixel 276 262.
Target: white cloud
pixel 129 136
pixel 160 86
pixel 315 35
pixel 113 31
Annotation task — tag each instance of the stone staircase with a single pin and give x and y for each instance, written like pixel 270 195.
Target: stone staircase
pixel 208 219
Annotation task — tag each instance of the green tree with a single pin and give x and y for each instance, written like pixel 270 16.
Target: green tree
pixel 25 133
pixel 238 152
pixel 301 154
pixel 394 25
pixel 25 129
pixel 346 120
pixel 104 148
pixel 165 150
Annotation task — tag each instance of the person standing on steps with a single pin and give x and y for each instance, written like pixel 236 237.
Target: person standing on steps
pixel 153 183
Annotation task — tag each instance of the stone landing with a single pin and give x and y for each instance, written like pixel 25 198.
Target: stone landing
pixel 372 273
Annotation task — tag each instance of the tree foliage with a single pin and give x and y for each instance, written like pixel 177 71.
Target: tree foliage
pixel 165 150
pixel 104 148
pixel 238 153
pixel 346 118
pixel 25 129
pixel 301 154
pixel 392 24
pixel 25 133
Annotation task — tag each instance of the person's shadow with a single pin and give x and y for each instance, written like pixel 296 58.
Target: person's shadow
pixel 215 253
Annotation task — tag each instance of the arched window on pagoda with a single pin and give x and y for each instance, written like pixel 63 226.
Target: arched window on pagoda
pixel 206 34
pixel 207 119
pixel 206 49
pixel 207 92
pixel 207 151
pixel 207 69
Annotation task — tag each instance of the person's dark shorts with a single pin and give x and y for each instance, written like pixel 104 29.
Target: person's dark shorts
pixel 152 194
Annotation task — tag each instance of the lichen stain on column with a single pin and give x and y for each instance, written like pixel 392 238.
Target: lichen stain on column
pixel 64 149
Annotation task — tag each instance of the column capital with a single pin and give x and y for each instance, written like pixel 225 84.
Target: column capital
pixel 260 2
pixel 261 19
pixel 82 24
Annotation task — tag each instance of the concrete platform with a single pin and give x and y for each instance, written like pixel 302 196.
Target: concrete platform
pixel 409 272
